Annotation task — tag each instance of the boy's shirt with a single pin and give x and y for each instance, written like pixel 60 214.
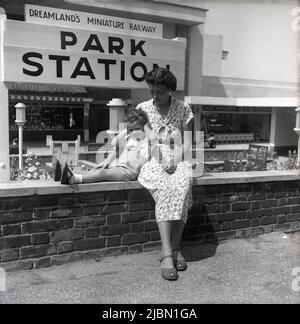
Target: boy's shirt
pixel 135 152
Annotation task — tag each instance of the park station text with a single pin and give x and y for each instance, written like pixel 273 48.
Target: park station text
pixel 34 61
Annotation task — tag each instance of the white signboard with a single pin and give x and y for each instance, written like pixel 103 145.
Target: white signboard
pixel 57 55
pixel 85 20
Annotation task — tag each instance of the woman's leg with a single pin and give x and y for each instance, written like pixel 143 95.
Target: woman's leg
pixel 165 235
pixel 177 230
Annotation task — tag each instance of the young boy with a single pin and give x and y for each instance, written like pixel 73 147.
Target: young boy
pixel 133 144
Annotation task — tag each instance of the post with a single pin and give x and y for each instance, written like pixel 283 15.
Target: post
pixel 116 114
pixel 21 147
pixel 20 121
pixel 86 116
pixel 297 130
pixel 4 120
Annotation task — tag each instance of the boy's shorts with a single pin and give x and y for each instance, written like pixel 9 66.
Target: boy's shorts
pixel 120 173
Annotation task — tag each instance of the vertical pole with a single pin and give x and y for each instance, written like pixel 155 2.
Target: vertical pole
pixel 20 147
pixel 4 120
pixel 86 116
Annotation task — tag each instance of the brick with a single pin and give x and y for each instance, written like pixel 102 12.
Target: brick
pixel 226 226
pixel 137 227
pixel 137 206
pixel 254 213
pixel 67 200
pixel 134 217
pixel 92 232
pixel 281 227
pixel 266 220
pixel 281 219
pixel 293 201
pixel 268 211
pixel 15 217
pixel 11 230
pixel 14 241
pixel 225 208
pixel 91 198
pixel 113 241
pixel 67 235
pixel 42 263
pixel 150 246
pixel 91 210
pixel 295 209
pixel 212 209
pixel 257 196
pixel 241 224
pixel 135 248
pixel 150 226
pixel 17 265
pixel 61 213
pixel 226 217
pixel 66 213
pixel 255 205
pixel 40 214
pixel 46 225
pixel 241 206
pixel 33 251
pixel 52 249
pixel 137 195
pixel 148 205
pixel 114 229
pixel 155 236
pixel 268 229
pixel 226 198
pixel 130 239
pixel 90 221
pixel 42 238
pixel 281 210
pixel 225 235
pixel 113 209
pixel 65 247
pixel 255 222
pixel 113 219
pixel 242 197
pixel 282 202
pixel 9 255
pixel 89 244
pixel 293 217
pixel 269 203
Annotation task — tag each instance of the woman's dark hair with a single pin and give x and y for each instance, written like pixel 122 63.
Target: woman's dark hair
pixel 133 115
pixel 161 76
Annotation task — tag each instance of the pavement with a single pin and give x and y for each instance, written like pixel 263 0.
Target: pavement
pixel 259 270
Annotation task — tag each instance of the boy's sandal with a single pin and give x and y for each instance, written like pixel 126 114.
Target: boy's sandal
pixel 56 169
pixel 168 273
pixel 66 175
pixel 180 264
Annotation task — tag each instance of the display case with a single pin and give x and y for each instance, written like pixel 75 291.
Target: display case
pixel 62 120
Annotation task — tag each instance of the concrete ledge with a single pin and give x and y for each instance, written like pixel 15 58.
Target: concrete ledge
pixel 30 188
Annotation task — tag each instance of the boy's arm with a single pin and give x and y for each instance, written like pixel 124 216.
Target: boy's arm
pixel 108 160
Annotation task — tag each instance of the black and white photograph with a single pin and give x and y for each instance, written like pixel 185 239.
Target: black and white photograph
pixel 149 155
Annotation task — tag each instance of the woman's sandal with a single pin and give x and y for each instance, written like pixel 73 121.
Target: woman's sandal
pixel 168 273
pixel 180 264
pixel 66 175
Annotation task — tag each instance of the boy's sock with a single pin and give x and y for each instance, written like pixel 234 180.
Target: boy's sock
pixel 77 178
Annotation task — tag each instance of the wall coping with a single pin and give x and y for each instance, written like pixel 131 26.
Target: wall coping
pixel 49 187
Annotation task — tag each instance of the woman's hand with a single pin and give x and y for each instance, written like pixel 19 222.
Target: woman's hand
pixel 171 168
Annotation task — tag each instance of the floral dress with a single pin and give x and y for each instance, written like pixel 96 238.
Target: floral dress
pixel 172 193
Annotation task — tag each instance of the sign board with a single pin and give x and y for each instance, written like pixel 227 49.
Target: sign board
pixel 85 20
pixel 59 55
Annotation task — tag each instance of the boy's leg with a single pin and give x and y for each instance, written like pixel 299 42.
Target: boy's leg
pixel 112 174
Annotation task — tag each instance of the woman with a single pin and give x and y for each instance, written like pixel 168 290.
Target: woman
pixel 167 176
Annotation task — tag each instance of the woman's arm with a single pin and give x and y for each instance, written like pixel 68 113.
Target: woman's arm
pixel 183 149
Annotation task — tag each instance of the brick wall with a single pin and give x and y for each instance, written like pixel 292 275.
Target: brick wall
pixel 43 230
